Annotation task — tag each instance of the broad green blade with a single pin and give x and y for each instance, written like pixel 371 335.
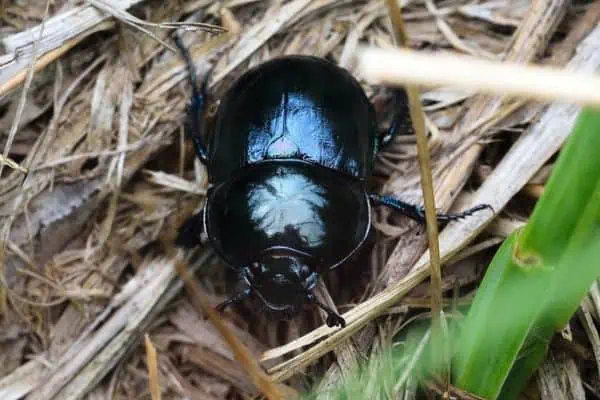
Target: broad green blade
pixel 539 275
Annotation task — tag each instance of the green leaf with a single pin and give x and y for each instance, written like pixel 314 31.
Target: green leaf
pixel 538 277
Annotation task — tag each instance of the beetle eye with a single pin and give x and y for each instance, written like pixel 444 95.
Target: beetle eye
pixel 304 271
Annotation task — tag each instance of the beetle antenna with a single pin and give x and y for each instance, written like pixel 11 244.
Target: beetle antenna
pixel 333 318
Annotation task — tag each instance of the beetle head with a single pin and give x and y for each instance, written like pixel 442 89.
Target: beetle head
pixel 281 283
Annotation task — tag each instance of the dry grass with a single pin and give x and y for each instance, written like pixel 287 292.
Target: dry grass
pixel 90 301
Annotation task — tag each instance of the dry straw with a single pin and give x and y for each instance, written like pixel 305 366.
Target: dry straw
pixel 98 359
pixel 396 67
pixel 152 361
pixel 418 120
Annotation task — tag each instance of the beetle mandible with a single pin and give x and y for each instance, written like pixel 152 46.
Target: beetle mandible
pixel 295 140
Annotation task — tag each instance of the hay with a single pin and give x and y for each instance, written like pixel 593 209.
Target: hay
pixel 96 177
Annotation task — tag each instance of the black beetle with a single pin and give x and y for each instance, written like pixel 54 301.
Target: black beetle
pixel 294 142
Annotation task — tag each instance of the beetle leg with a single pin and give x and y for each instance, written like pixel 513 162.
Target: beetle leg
pixel 195 109
pixel 401 123
pixel 190 232
pixel 333 319
pixel 417 213
pixel 236 298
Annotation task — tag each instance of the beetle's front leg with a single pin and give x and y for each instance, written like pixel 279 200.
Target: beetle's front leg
pixel 196 107
pixel 333 319
pixel 235 299
pixel 190 233
pixel 417 213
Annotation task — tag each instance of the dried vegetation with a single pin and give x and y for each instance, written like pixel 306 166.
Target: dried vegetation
pixel 90 301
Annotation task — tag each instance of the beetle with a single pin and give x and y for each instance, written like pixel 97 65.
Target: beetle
pixel 293 144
